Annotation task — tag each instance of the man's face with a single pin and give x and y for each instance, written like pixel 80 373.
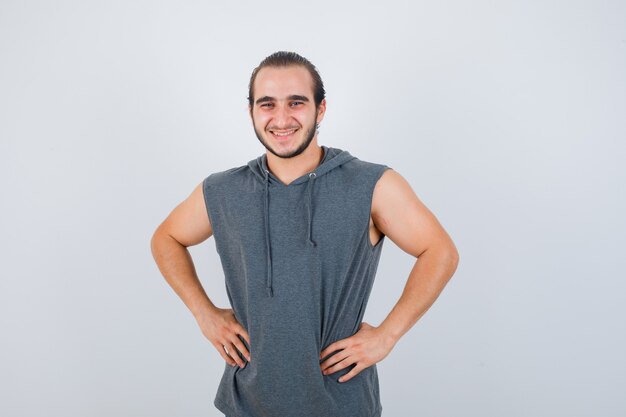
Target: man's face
pixel 283 112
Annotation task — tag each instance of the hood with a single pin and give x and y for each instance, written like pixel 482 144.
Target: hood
pixel 332 158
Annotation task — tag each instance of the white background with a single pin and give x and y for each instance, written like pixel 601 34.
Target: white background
pixel 507 118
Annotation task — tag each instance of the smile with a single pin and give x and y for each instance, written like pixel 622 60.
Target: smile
pixel 283 135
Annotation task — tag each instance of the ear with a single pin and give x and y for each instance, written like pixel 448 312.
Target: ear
pixel 321 110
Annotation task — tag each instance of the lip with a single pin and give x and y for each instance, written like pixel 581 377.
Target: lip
pixel 283 138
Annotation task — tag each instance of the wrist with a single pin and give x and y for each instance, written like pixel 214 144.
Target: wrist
pixel 203 311
pixel 389 334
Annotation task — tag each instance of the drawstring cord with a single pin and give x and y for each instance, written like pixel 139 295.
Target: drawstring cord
pixel 268 284
pixel 312 176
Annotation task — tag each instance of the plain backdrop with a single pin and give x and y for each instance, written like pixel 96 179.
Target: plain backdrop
pixel 507 119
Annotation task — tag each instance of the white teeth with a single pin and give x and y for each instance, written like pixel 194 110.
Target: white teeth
pixel 283 134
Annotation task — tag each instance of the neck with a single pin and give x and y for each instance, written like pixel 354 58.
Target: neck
pixel 289 169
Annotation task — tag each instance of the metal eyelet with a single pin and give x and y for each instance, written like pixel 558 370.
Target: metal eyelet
pixel 312 174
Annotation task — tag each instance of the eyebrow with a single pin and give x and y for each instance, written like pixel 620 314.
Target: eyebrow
pixel 291 97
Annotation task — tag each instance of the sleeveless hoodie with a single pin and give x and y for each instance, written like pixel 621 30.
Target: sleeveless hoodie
pixel 299 267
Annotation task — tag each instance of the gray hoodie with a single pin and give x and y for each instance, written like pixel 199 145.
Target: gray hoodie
pixel 299 267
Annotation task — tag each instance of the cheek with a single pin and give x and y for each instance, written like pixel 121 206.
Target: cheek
pixel 261 122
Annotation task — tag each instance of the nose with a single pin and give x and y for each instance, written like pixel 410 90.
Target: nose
pixel 282 117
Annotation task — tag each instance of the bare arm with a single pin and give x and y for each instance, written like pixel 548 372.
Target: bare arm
pixel 401 216
pixel 188 225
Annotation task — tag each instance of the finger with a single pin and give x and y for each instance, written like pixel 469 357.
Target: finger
pixel 333 359
pixel 233 352
pixel 222 351
pixel 339 365
pixel 327 350
pixel 242 348
pixel 338 345
pixel 351 374
pixel 245 334
pixel 336 357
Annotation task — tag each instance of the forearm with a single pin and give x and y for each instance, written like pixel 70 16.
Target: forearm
pixel 429 276
pixel 176 266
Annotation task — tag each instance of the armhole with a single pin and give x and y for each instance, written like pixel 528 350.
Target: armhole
pixel 205 195
pixel 377 177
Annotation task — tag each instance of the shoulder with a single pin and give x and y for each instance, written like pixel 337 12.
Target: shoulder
pixel 367 170
pixel 226 177
pixel 392 192
pixel 390 182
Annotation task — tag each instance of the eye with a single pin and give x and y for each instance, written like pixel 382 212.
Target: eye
pixel 266 104
pixel 297 102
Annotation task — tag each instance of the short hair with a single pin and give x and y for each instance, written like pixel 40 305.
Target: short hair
pixel 286 59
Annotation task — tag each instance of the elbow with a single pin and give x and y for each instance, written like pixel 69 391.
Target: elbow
pixel 453 256
pixel 157 236
pixel 456 260
pixel 154 242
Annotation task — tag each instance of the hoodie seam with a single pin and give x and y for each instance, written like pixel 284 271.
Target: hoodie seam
pixel 377 177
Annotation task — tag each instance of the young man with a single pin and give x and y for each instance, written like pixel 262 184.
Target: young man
pixel 299 231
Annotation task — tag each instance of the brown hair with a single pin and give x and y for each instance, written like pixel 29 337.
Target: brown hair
pixel 285 59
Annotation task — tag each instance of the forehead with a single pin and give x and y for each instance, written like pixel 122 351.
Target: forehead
pixel 280 82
